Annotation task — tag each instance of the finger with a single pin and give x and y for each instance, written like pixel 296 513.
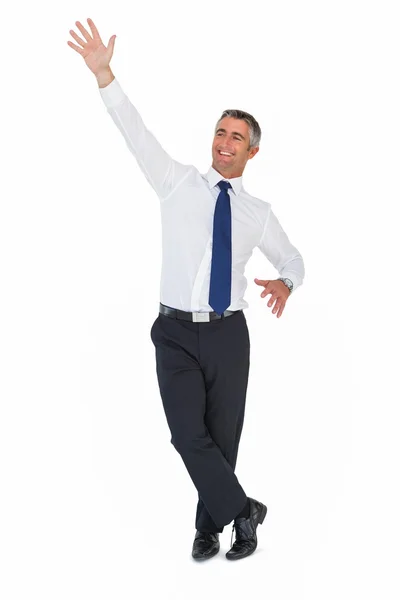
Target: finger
pixel 93 29
pixel 83 31
pixel 265 293
pixel 77 38
pixel 261 281
pixel 277 306
pixel 79 50
pixel 272 300
pixel 280 310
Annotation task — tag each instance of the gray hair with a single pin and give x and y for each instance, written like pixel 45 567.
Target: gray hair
pixel 254 128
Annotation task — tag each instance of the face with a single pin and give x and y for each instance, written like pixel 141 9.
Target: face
pixel 233 137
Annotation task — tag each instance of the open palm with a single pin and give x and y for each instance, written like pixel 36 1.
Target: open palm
pixel 96 55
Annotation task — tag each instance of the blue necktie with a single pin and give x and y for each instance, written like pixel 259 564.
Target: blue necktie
pixel 221 260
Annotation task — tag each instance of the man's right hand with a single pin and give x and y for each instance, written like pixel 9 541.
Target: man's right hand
pixel 97 56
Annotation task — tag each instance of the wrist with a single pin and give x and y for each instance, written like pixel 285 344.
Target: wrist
pixel 288 282
pixel 105 77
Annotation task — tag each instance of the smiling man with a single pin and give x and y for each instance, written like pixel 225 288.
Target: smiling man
pixel 210 226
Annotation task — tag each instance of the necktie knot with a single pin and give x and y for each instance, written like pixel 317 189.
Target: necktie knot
pixel 224 185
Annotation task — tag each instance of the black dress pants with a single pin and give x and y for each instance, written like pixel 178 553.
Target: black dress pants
pixel 202 371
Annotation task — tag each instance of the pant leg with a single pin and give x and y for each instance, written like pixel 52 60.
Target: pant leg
pixel 183 392
pixel 225 359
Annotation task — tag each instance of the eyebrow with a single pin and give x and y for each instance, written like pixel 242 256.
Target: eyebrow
pixel 234 132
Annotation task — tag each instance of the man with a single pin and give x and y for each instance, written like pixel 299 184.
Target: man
pixel 210 227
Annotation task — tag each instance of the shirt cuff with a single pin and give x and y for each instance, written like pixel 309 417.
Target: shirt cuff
pixel 295 278
pixel 112 94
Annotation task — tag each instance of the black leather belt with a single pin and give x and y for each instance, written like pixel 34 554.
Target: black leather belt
pixel 195 317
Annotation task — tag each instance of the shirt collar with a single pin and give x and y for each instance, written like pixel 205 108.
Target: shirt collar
pixel 213 177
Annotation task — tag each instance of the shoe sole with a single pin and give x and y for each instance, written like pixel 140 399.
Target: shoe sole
pixel 235 557
pixel 207 556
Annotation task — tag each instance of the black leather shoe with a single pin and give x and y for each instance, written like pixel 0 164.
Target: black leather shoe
pixel 205 545
pixel 246 537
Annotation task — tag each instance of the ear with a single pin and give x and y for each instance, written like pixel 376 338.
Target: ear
pixel 253 152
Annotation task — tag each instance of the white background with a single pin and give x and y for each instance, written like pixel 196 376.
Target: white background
pixel 95 501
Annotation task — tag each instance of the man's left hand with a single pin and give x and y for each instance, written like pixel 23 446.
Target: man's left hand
pixel 279 293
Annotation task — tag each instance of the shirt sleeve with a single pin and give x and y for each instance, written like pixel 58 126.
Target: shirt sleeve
pixel 162 172
pixel 285 257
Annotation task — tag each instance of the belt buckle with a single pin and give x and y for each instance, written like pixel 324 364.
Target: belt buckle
pixel 203 317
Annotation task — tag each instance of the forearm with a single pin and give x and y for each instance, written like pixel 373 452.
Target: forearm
pixel 294 270
pixel 281 253
pixel 162 172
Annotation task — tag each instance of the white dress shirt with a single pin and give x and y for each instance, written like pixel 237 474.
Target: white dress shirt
pixel 187 203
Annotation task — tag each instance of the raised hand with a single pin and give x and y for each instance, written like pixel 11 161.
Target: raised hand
pixel 279 293
pixel 97 56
